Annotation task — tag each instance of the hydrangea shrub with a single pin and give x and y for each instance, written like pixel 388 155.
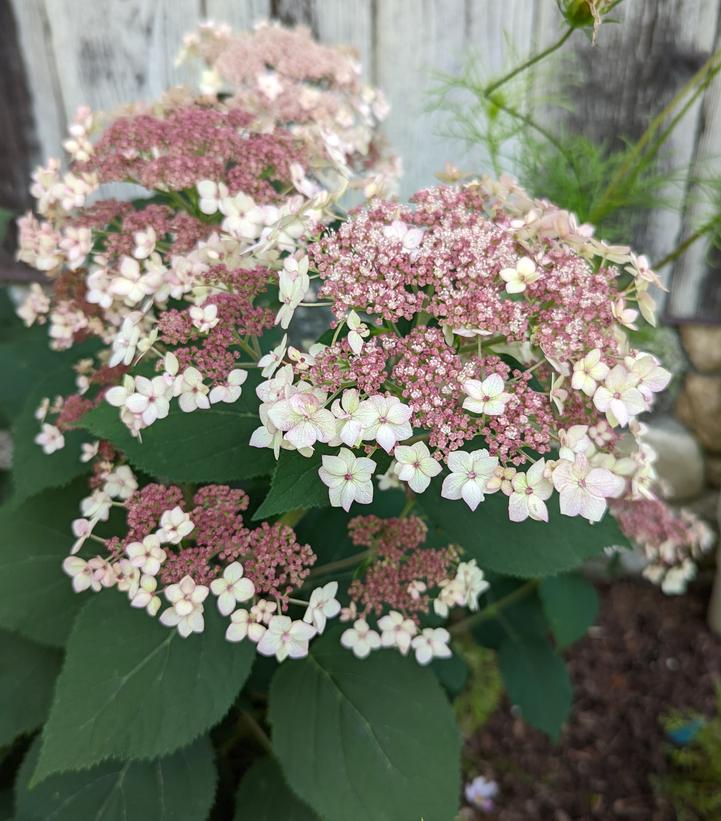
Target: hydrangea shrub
pixel 228 542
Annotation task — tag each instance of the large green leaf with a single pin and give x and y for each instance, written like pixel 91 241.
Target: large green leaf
pixel 365 739
pixel 263 795
pixel 179 786
pixel 537 681
pixel 27 677
pixel 133 689
pixel 295 484
pixel 204 446
pixel 525 549
pixel 36 598
pixel 570 603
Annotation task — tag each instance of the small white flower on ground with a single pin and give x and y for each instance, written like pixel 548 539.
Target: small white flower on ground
pixel 232 588
pixel 204 318
pixel 523 274
pixel 186 612
pixel 431 643
pixel 147 555
pixel 584 489
pixel 175 525
pixel 530 491
pixel 192 393
pixel 50 439
pixel 619 397
pixel 358 331
pixel 487 396
pixel 480 793
pixel 303 419
pixel 348 478
pixel 323 605
pixel 415 465
pixel 588 372
pixel 231 392
pixel 120 483
pixel 361 639
pixel 386 419
pixel 397 631
pixel 244 624
pixel 286 638
pixel 469 474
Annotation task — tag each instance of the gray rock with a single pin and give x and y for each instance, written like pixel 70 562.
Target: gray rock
pixel 680 464
pixel 702 343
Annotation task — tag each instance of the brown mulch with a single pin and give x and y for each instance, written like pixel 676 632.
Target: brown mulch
pixel 648 653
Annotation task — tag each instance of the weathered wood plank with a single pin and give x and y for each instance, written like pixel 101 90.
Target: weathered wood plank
pixel 240 14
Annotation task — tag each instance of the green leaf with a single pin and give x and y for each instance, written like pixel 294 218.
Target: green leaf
pixel 524 549
pixel 263 795
pixel 570 603
pixel 179 786
pixel 36 598
pixel 537 681
pixel 204 446
pixel 295 484
pixel 365 739
pixel 133 689
pixel 27 677
pixel 521 618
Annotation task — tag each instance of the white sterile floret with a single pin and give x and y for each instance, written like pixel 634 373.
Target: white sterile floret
pixel 147 555
pixel 397 631
pixel 323 605
pixel 303 418
pixel 530 491
pixel 385 419
pixel 231 588
pixel 175 525
pixel 232 390
pixel 192 393
pixel 358 331
pixel 361 639
pixel 245 624
pixel 415 465
pixel 351 417
pixel 50 439
pixel 211 195
pixel 518 278
pixel 150 400
pixel 469 475
pixel 431 643
pixel 204 318
pixel 286 638
pixel 348 478
pixel 487 396
pixel 619 397
pixel 120 483
pixel 145 596
pixel 186 610
pixel 269 363
pixel 583 489
pixel 588 372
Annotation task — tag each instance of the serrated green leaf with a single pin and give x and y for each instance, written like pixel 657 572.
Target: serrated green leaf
pixel 526 549
pixel 36 598
pixel 365 739
pixel 179 786
pixel 263 795
pixel 27 678
pixel 204 446
pixel 537 681
pixel 570 603
pixel 133 689
pixel 295 484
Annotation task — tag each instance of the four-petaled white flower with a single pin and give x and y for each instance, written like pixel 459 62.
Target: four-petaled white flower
pixel 151 399
pixel 323 605
pixel 351 416
pixel 652 378
pixel 293 284
pixel 204 318
pixel 230 392
pixel 145 595
pixel 530 491
pixel 469 474
pixel 358 331
pixel 147 555
pixel 96 506
pixel 192 393
pixel 431 643
pixel 231 588
pixel 487 396
pixel 361 639
pixel 50 439
pixel 120 483
pixel 348 478
pixel 286 638
pixel 126 340
pixel 303 419
pixel 619 397
pixel 397 631
pixel 588 372
pixel 523 274
pixel 175 525
pixel 82 573
pixel 415 465
pixel 269 363
pixel 144 243
pixel 244 623
pixel 584 489
pixel 386 419
pixel 410 238
pixel 186 610
pixel 211 195
pixel 472 583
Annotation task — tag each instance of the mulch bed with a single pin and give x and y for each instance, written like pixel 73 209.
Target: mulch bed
pixel 648 653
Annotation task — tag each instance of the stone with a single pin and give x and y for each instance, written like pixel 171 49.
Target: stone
pixel 702 344
pixel 699 408
pixel 680 463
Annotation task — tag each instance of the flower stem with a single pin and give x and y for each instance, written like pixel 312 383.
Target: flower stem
pixel 341 564
pixel 492 610
pixel 257 732
pixel 292 517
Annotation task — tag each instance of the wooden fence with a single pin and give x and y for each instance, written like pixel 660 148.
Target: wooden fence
pixel 104 52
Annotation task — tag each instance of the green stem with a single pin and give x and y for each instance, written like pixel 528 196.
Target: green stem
pixel 531 61
pixel 292 517
pixel 341 564
pixel 492 610
pixel 687 243
pixel 257 732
